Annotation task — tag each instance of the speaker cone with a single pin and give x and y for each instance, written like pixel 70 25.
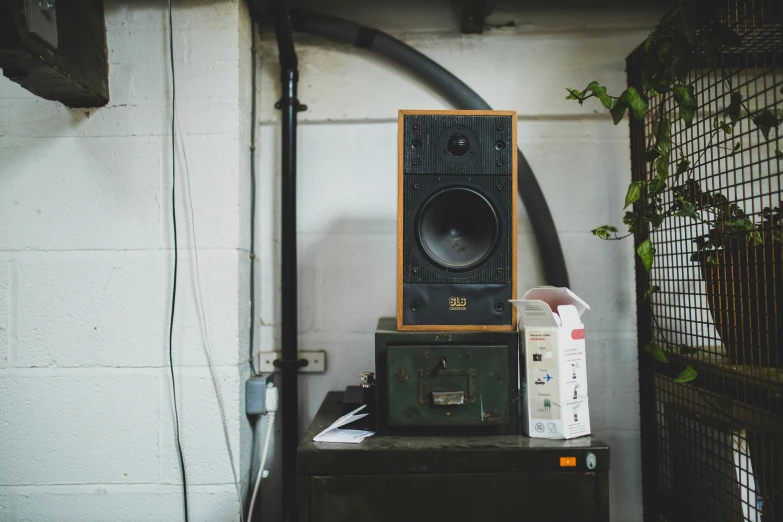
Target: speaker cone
pixel 457 228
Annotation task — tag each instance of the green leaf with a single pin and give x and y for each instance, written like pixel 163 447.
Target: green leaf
pixel 687 210
pixel 724 403
pixel 629 99
pixel 778 154
pixel 650 41
pixel 662 167
pixel 594 88
pixel 652 155
pixel 599 91
pixel 646 252
pixel 687 350
pixel 686 99
pixel 650 291
pixel 702 242
pixel 687 375
pixel 725 35
pixel 634 193
pixel 667 20
pixel 636 102
pixel 604 231
pixel 733 110
pixel 683 66
pixel 635 222
pixel 766 121
pixel 662 130
pixel 717 123
pixel 738 146
pixel 618 111
pixel 685 22
pixel 574 95
pixel 655 350
pixel 655 187
pixel 682 167
pixel 714 37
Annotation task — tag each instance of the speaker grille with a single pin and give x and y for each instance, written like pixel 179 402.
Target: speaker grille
pixel 451 144
pixel 497 268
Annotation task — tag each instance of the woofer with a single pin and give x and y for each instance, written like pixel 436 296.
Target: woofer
pixel 457 228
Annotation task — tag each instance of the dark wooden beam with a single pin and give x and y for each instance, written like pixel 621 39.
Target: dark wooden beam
pixel 473 16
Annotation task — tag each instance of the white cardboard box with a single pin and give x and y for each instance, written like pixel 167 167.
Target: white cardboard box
pixel 553 364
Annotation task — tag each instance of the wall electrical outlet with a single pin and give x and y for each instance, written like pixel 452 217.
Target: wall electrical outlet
pixel 316 361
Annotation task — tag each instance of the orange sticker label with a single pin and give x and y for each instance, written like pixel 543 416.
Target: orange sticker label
pixel 567 462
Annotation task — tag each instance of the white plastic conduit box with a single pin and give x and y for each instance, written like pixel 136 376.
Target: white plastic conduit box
pixel 553 364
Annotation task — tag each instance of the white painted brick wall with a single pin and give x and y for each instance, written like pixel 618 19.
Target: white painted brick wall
pixel 347 185
pixel 86 428
pixel 123 504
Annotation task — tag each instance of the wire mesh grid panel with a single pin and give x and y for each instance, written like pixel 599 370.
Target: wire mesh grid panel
pixel 712 391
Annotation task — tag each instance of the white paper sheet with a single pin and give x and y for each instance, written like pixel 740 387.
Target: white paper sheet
pixel 334 434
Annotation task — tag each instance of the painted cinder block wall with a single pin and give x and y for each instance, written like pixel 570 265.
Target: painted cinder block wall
pixel 86 430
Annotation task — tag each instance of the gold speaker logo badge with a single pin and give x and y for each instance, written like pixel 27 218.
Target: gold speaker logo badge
pixel 457 303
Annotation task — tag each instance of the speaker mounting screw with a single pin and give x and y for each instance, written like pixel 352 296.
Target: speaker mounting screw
pixel 500 186
pixel 415 306
pixel 499 145
pixel 499 163
pixel 499 270
pixel 415 186
pixel 499 307
pixel 417 162
pixel 499 126
pixel 416 126
pixel 415 269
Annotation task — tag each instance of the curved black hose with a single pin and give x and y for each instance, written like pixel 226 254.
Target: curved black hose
pixel 462 97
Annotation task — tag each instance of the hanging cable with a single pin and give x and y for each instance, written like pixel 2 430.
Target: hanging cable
pixel 174 283
pixel 202 319
pixel 252 194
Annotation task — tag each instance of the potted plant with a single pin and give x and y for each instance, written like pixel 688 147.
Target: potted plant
pixel 739 257
pixel 741 263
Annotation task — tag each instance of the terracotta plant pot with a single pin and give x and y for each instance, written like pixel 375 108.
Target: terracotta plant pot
pixel 745 296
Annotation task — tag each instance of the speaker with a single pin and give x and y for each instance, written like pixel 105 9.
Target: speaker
pixel 456 220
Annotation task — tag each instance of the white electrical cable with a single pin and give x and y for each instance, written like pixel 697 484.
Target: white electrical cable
pixel 203 324
pixel 270 423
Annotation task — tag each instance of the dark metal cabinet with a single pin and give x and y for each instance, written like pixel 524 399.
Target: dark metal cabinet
pixel 454 478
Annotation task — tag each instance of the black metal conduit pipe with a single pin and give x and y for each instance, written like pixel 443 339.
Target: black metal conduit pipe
pixel 289 106
pixel 462 97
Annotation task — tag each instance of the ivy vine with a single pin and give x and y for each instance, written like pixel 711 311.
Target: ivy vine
pixel 685 38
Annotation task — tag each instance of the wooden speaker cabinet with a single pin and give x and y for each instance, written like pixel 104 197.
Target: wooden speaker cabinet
pixel 457 220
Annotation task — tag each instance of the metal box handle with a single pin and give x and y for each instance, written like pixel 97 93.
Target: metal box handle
pixel 447 398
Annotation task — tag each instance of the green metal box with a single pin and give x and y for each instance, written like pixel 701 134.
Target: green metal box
pixel 446 382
